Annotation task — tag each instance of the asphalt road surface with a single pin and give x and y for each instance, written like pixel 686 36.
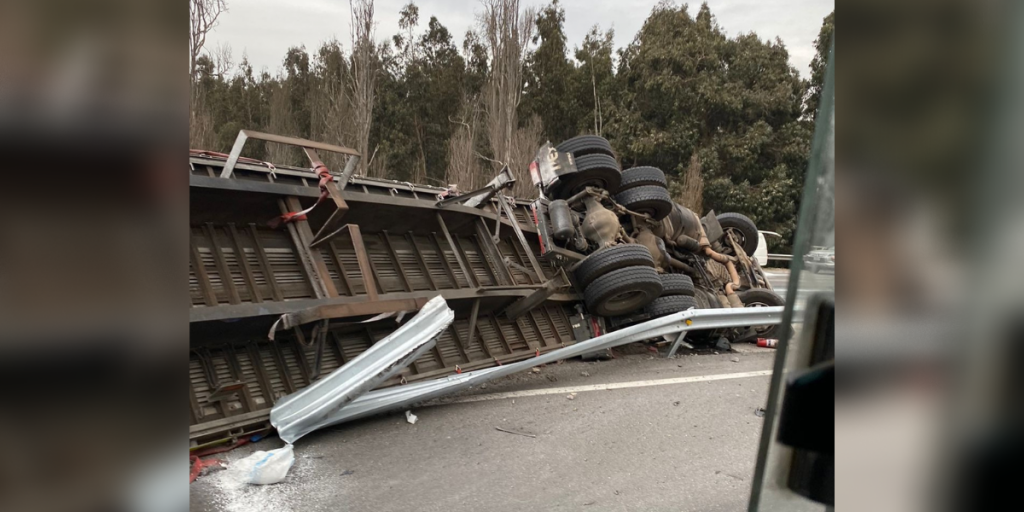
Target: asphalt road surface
pixel 663 438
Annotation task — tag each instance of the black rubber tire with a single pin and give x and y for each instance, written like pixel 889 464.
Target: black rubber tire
pixel 676 284
pixel 642 176
pixel 742 225
pixel 670 304
pixel 761 297
pixel 586 145
pixel 622 291
pixel 612 258
pixel 597 170
pixel 650 199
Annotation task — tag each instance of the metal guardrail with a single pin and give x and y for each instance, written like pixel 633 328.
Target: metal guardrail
pixel 297 415
pixel 376 402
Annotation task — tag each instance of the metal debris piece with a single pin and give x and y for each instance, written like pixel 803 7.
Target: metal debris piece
pixel 724 345
pixel 411 418
pixel 297 415
pixel 514 432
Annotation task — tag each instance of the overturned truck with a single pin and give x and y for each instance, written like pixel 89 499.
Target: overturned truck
pixel 633 252
pixel 295 271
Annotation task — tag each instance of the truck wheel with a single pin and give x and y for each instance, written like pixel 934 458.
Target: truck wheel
pixel 612 258
pixel 663 306
pixel 622 291
pixel 762 298
pixel 653 200
pixel 742 229
pixel 586 145
pixel 640 176
pixel 597 170
pixel 676 284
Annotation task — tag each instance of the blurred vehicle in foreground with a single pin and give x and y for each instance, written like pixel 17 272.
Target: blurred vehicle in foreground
pixel 821 258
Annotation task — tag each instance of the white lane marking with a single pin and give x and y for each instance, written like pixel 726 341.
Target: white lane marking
pixel 604 387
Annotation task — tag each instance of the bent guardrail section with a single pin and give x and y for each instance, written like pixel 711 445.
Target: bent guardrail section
pixel 298 414
pixel 384 400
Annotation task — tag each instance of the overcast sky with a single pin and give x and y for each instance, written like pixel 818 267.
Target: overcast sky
pixel 265 29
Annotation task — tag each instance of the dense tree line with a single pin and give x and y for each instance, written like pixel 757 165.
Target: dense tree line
pixel 727 118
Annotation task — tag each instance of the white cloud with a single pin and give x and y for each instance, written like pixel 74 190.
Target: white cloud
pixel 265 29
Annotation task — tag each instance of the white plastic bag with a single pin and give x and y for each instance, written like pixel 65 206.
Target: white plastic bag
pixel 263 467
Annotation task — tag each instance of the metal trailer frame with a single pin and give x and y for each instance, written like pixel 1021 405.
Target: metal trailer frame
pixel 376 402
pixel 377 247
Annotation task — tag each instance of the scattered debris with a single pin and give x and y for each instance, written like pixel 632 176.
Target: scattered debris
pixel 535 369
pixel 262 467
pixel 735 359
pixel 585 374
pixel 759 412
pixel 767 342
pixel 740 478
pixel 514 432
pixel 571 396
pixel 652 348
pixel 347 472
pixel 483 386
pixel 411 418
pixel 202 467
pixel 676 402
pixel 723 345
pixel 552 378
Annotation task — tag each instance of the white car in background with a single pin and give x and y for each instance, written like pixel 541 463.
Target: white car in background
pixel 761 253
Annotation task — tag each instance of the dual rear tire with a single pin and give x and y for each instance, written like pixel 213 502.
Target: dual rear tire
pixel 640 189
pixel 618 280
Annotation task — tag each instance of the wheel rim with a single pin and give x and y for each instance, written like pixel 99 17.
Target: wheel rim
pixel 737 235
pixel 625 302
pixel 623 298
pixel 760 329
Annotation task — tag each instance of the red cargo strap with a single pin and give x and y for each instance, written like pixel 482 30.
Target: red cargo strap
pixel 325 178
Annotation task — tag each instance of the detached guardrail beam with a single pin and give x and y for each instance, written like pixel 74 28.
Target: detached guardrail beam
pixel 300 413
pixel 384 400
